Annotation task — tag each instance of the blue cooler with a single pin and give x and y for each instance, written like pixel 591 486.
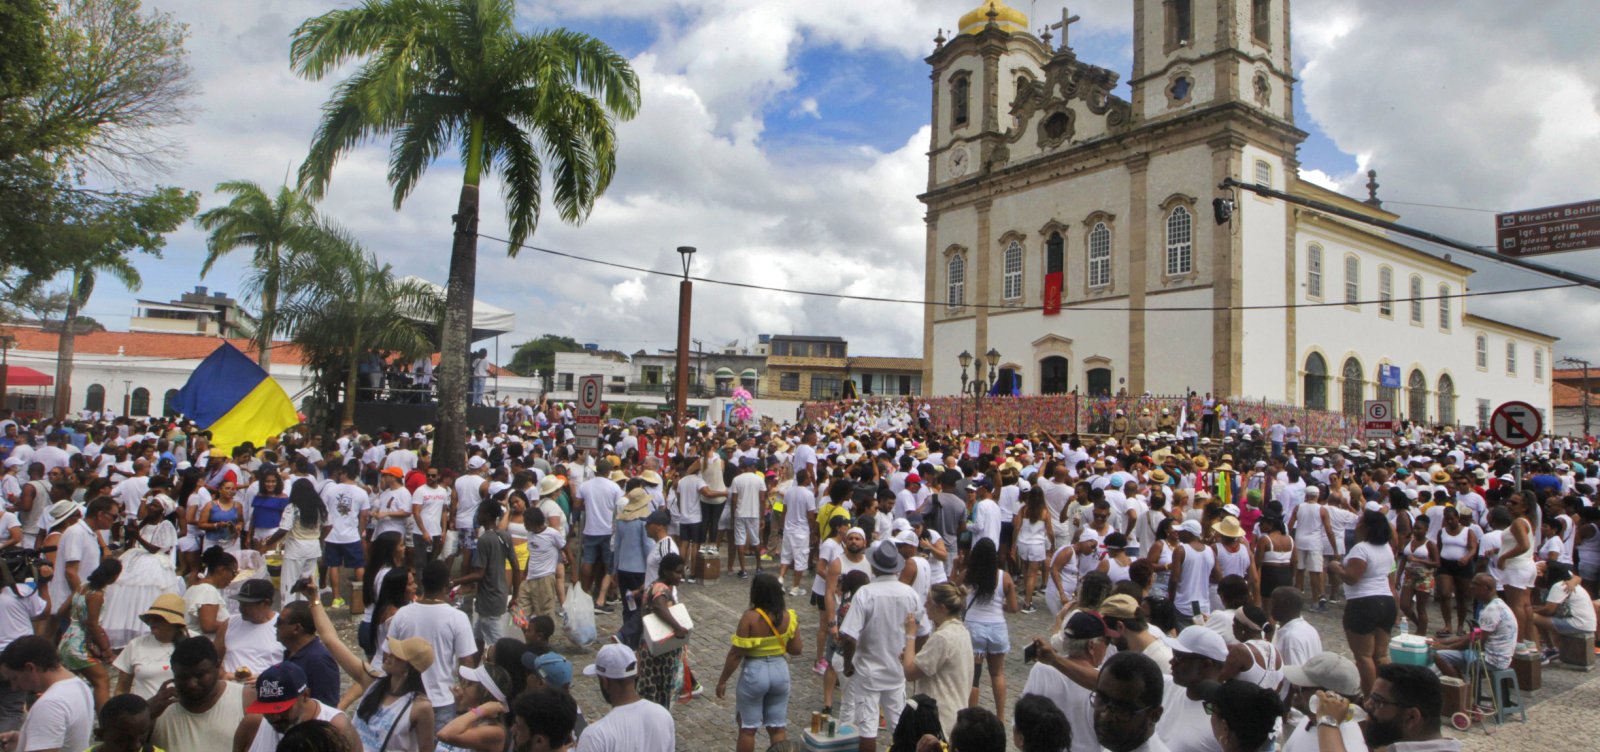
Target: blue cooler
pixel 845 740
pixel 1410 650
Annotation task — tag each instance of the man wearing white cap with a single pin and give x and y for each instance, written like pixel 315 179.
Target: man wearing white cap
pixel 1192 562
pixel 642 726
pixel 1197 656
pixel 1329 672
pixel 471 489
pixel 872 637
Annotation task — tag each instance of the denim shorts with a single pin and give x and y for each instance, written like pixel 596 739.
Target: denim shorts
pixel 597 548
pixel 763 693
pixel 344 555
pixel 989 638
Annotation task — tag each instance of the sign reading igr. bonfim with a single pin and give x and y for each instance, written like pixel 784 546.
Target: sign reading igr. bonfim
pixel 1553 229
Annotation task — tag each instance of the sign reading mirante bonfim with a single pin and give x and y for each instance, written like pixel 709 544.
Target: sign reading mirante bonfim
pixel 1553 229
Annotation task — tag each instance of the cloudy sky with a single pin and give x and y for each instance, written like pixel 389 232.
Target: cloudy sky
pixel 786 140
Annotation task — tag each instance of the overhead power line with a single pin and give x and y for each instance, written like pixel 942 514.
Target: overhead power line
pixel 906 301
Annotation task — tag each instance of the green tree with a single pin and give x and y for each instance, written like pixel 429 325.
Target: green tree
pixel 443 74
pixel 277 228
pixel 340 303
pixel 540 354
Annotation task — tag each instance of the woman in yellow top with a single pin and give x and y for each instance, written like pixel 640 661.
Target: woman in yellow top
pixel 766 636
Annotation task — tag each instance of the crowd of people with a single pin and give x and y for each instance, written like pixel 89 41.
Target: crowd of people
pixel 158 591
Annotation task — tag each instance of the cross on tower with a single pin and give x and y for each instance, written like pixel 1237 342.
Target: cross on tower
pixel 1067 20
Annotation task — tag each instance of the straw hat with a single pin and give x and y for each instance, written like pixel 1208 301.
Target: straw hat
pixel 1201 463
pixel 168 607
pixel 1228 528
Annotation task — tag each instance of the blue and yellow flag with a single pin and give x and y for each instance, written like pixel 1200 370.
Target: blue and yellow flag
pixel 234 398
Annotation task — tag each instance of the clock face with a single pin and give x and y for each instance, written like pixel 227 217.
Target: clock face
pixel 958 161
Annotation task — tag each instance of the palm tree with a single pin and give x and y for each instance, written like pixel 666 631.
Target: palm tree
pixel 277 228
pixel 441 74
pixel 340 302
pixel 84 273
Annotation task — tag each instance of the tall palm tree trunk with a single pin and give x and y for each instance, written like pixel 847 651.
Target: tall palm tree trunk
pixel 451 443
pixel 66 344
pixel 267 325
pixel 352 386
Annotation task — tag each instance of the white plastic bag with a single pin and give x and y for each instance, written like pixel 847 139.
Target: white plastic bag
pixel 578 617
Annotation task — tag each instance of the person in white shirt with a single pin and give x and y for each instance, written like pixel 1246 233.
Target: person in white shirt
pixel 1296 640
pixel 428 504
pixel 63 715
pixel 634 724
pixel 392 511
pixel 1329 672
pixel 748 490
pixel 985 514
pixel 1567 608
pixel 348 508
pixel 1083 641
pixel 873 637
pixel 446 628
pixel 541 594
pixel 799 518
pixel 601 497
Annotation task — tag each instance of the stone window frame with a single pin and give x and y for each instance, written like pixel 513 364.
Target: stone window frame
pixel 1416 300
pixel 1316 271
pixel 1446 311
pixel 1021 242
pixel 953 255
pixel 1511 357
pixel 1261 15
pixel 960 83
pixel 1173 100
pixel 1054 226
pixel 1260 166
pixel 1169 208
pixel 1174 41
pixel 1096 219
pixel 1538 365
pixel 1480 350
pixel 1385 291
pixel 1352 282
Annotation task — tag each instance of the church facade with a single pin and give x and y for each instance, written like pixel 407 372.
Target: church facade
pixel 1073 232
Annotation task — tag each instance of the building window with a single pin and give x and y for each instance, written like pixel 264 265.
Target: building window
pixel 1482 344
pixel 1314 271
pixel 1180 242
pixel 1355 388
pixel 1444 307
pixel 1511 358
pixel 1261 21
pixel 139 403
pixel 1352 280
pixel 789 381
pixel 1180 23
pixel 1263 173
pixel 1538 364
pixel 1099 255
pixel 957 273
pixel 1483 414
pixel 1416 299
pixel 1417 397
pixel 1385 292
pixel 960 96
pixel 1013 272
pixel 96 400
pixel 1447 401
pixel 825 387
pixel 169 406
pixel 1316 382
pixel 564 382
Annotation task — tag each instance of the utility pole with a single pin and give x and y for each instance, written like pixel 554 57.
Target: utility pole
pixel 1584 364
pixel 681 388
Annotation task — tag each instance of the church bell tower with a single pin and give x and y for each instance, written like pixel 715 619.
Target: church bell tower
pixel 1194 54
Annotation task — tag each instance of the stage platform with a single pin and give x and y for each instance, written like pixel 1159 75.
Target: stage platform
pixel 372 417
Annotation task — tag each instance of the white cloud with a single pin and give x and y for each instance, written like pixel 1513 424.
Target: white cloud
pixel 1320 178
pixel 629 293
pixel 807 107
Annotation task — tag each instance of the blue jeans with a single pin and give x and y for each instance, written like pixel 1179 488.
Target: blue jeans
pixel 763 693
pixel 478 383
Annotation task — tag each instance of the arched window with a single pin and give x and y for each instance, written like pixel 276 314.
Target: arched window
pixel 1316 382
pixel 1012 272
pixel 1180 242
pixel 957 280
pixel 1352 280
pixel 168 408
pixel 1444 307
pixel 1099 255
pixel 1261 21
pixel 1263 173
pixel 1482 345
pixel 139 404
pixel 1417 397
pixel 1314 271
pixel 960 96
pixel 1355 388
pixel 1447 401
pixel 95 401
pixel 1385 291
pixel 1180 23
pixel 1416 299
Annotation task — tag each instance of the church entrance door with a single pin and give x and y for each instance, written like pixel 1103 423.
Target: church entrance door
pixel 1053 375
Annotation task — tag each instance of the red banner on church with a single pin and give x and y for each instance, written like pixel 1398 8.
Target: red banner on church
pixel 1052 293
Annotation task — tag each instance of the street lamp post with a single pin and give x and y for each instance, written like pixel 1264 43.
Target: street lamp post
pixel 979 383
pixel 1584 364
pixel 685 296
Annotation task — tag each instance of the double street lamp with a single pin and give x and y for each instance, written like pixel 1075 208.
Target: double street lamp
pixel 980 382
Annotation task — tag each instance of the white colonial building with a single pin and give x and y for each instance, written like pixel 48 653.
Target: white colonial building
pixel 1073 232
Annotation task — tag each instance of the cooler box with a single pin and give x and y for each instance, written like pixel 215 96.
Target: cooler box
pixel 658 636
pixel 1410 650
pixel 710 568
pixel 1453 696
pixel 845 740
pixel 1527 666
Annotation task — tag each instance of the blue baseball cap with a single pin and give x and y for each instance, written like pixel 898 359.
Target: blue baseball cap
pixel 277 689
pixel 552 667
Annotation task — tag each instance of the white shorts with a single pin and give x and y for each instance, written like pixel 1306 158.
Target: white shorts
pixel 1520 577
pixel 747 531
pixel 1309 561
pixel 796 550
pixel 860 707
pixel 188 544
pixel 1031 552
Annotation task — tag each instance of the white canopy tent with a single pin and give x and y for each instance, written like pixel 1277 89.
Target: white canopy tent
pixel 487 320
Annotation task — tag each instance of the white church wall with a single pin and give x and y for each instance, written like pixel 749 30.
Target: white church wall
pixel 1263 226
pixel 1183 174
pixel 1069 202
pixel 949 339
pixel 1178 348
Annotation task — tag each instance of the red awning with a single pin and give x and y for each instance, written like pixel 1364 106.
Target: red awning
pixel 25 376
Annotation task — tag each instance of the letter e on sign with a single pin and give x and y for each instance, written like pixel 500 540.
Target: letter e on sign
pixel 589 393
pixel 1516 424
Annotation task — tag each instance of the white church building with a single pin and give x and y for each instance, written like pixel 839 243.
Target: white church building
pixel 1072 232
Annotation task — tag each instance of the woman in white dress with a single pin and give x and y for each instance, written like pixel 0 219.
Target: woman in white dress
pixel 147 569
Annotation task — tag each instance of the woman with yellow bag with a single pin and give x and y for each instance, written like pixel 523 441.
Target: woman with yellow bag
pixel 766 636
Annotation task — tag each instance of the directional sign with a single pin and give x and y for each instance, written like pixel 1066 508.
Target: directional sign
pixel 1553 229
pixel 589 391
pixel 1516 424
pixel 1378 419
pixel 1389 376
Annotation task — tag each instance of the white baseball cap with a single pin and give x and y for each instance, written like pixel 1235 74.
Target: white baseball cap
pixel 1202 641
pixel 614 661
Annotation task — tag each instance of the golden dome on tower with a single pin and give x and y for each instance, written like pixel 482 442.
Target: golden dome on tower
pixel 1006 17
